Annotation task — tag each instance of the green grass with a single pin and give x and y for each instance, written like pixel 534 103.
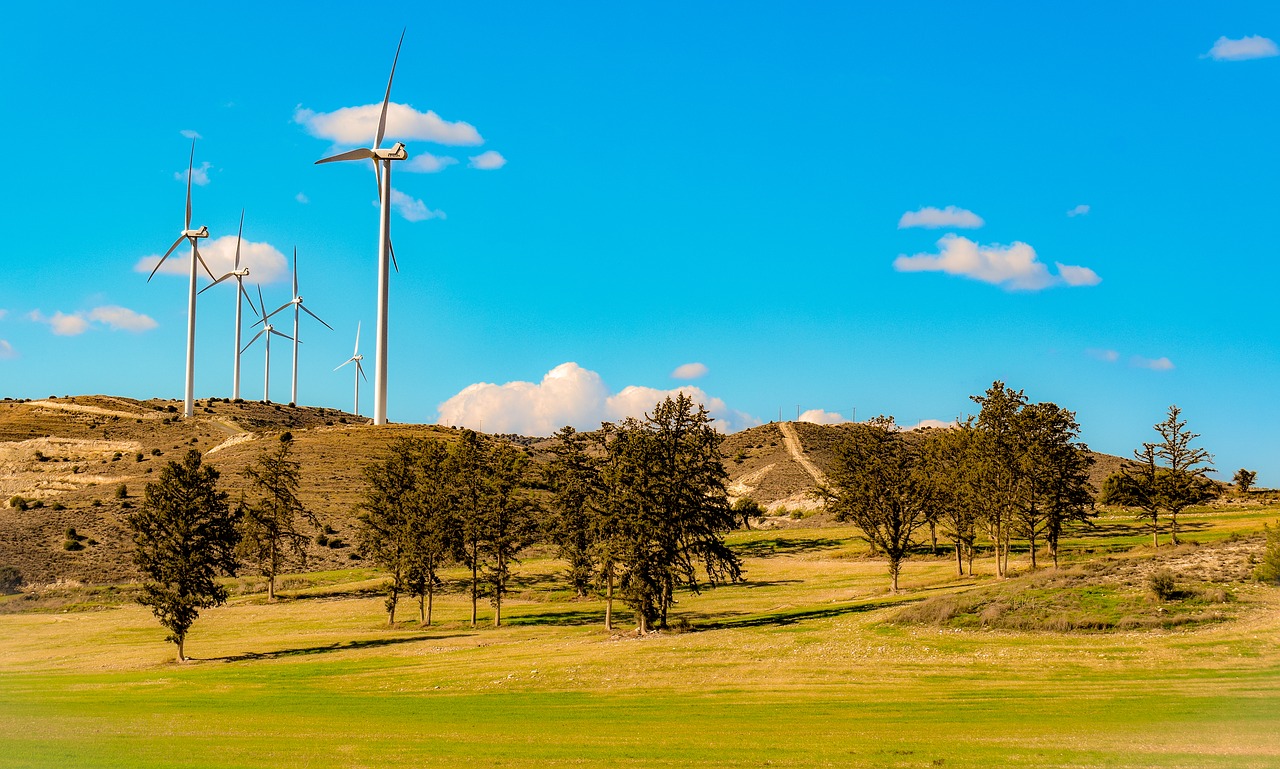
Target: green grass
pixel 796 667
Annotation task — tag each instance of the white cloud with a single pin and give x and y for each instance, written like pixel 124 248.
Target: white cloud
pixel 933 218
pixel 923 423
pixel 6 350
pixel 1015 266
pixel 189 134
pixel 119 318
pixel 359 125
pixel 567 395
pixel 412 209
pixel 1109 356
pixel 1079 210
pixel 199 174
pixel 1155 364
pixel 820 417
pixel 302 198
pixel 426 163
pixel 487 161
pixel 61 323
pixel 689 371
pixel 265 263
pixel 1252 47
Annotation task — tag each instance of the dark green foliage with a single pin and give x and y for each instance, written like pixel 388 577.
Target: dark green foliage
pixel 1269 569
pixel 1244 480
pixel 10 580
pixel 184 535
pixel 122 492
pixel 573 476
pixel 71 533
pixel 271 538
pixel 72 545
pixel 955 507
pixel 1169 477
pixel 745 509
pixel 18 503
pixel 322 540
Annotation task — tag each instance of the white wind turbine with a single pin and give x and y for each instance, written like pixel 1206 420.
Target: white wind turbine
pixel 355 358
pixel 296 303
pixel 267 331
pixel 382 165
pixel 239 275
pixel 189 400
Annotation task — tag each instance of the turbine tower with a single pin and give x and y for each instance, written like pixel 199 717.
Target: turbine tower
pixel 382 165
pixel 189 399
pixel 356 357
pixel 239 275
pixel 267 331
pixel 297 304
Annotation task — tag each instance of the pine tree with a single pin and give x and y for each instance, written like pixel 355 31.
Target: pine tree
pixel 386 513
pixel 996 464
pixel 573 477
pixel 507 521
pixel 269 525
pixel 949 466
pixel 1184 483
pixel 184 535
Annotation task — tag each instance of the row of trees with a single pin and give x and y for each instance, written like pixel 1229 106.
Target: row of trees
pixel 1016 471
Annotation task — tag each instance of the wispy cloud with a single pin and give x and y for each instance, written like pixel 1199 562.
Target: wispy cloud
pixel 412 209
pixel 60 323
pixel 487 161
pixel 568 395
pixel 689 371
pixel 6 350
pixel 932 218
pixel 199 174
pixel 302 198
pixel 1079 210
pixel 1154 364
pixel 1014 267
pixel 358 125
pixel 189 134
pixel 426 163
pixel 1251 47
pixel 119 318
pixel 1107 356
pixel 264 261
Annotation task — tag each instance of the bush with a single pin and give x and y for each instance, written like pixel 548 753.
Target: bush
pixel 17 503
pixel 336 542
pixel 1269 569
pixel 1163 584
pixel 122 492
pixel 72 545
pixel 57 506
pixel 286 436
pixel 96 503
pixel 329 529
pixel 138 457
pixel 10 580
pixel 155 452
pixel 40 457
pixel 116 457
pixel 35 504
pixel 322 540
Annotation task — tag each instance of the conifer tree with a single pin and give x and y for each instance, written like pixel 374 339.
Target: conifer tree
pixel 386 513
pixel 271 538
pixel 573 477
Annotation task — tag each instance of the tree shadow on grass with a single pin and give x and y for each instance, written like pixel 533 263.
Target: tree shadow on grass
pixel 337 646
pixel 562 618
pixel 764 548
pixel 793 616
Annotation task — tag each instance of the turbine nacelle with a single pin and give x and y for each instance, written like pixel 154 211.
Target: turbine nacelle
pixel 394 152
pixel 203 232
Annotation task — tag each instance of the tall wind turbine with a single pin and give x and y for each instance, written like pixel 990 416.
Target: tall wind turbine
pixel 267 331
pixel 189 401
pixel 239 275
pixel 355 358
pixel 382 165
pixel 297 304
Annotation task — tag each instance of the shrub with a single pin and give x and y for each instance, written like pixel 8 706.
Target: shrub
pixel 1268 570
pixel 10 580
pixel 336 542
pixel 35 504
pixel 116 457
pixel 138 457
pixel 72 545
pixel 122 492
pixel 1163 584
pixel 57 506
pixel 17 503
pixel 286 436
pixel 40 457
pixel 329 529
pixel 96 503
pixel 155 452
pixel 322 540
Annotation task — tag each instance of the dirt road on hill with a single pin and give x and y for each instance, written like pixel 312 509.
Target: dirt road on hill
pixel 792 442
pixel 98 410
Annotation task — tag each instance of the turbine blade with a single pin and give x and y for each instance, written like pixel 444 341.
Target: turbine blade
pixel 359 154
pixel 377 175
pixel 190 164
pixel 392 248
pixel 286 336
pixel 382 121
pixel 345 362
pixel 317 317
pixel 166 256
pixel 261 302
pixel 200 259
pixel 360 370
pixel 295 271
pixel 239 232
pixel 357 351
pixel 251 341
pixel 216 282
pixel 278 309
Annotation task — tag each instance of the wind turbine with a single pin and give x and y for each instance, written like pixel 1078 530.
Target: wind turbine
pixel 356 357
pixel 239 275
pixel 297 304
pixel 267 331
pixel 189 401
pixel 382 165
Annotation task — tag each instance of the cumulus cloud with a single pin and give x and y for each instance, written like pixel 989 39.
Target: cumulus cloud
pixel 189 134
pixel 568 395
pixel 119 318
pixel 1079 210
pixel 689 371
pixel 933 218
pixel 302 198
pixel 264 261
pixel 61 323
pixel 412 209
pixel 488 161
pixel 359 125
pixel 199 174
pixel 1108 356
pixel 1251 47
pixel 1014 267
pixel 6 350
pixel 927 423
pixel 1154 364
pixel 820 417
pixel 426 163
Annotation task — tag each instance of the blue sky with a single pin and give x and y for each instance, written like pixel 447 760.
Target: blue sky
pixel 722 184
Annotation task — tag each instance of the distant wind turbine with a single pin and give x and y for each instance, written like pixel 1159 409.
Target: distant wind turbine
pixel 382 165
pixel 189 400
pixel 356 357
pixel 297 304
pixel 239 275
pixel 267 331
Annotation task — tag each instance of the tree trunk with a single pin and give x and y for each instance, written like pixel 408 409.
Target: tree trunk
pixel 391 607
pixel 271 588
pixel 1053 550
pixel 181 640
pixel 475 559
pixel 1031 540
pixel 422 608
pixel 498 586
pixel 895 566
pixel 1173 529
pixel 959 560
pixel 608 598
pixel 431 595
pixel 933 536
pixel 1155 533
pixel 969 551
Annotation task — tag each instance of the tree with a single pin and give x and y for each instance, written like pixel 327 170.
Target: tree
pixel 184 536
pixel 1184 483
pixel 1053 475
pixel 384 521
pixel 881 484
pixel 1244 480
pixel 1269 569
pixel 1139 485
pixel 573 475
pixel 507 522
pixel 467 459
pixel 269 527
pixel 997 468
pixel 431 526
pixel 948 463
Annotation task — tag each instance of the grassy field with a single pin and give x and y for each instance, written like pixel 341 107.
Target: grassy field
pixel 799 666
